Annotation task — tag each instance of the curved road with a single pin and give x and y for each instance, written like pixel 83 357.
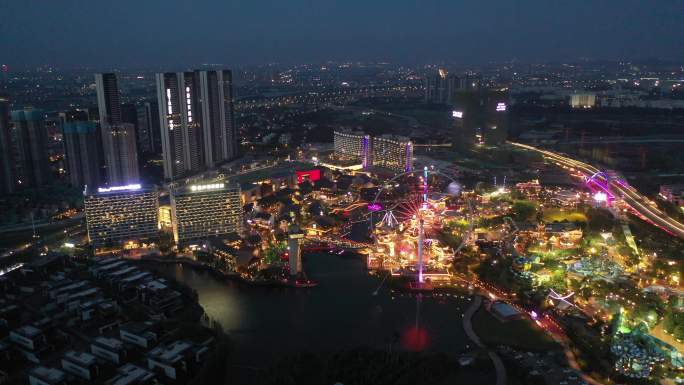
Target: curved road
pixel 468 327
pixel 629 195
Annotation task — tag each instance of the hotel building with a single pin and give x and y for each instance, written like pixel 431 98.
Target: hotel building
pixel 354 146
pixel 387 151
pixel 118 214
pixel 393 152
pixel 202 210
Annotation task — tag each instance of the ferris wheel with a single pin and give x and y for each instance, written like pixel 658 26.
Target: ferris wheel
pixel 409 212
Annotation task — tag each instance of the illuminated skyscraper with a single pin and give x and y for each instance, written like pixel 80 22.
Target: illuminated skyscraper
pixel 118 136
pixel 7 174
pixel 179 109
pixel 31 140
pixel 82 157
pixel 196 121
pixel 205 209
pixel 480 117
pixel 119 214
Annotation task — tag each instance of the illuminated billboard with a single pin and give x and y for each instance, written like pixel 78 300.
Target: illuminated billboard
pixel 205 187
pixel 457 114
pixel 310 175
pixel 500 107
pixel 130 187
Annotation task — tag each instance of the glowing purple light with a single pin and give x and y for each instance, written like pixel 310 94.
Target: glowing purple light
pixel 409 157
pixel 365 144
pixel 374 206
pixel 534 314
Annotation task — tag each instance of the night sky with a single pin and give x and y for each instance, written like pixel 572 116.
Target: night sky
pixel 119 33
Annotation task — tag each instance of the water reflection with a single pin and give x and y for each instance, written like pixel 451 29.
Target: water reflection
pixel 341 313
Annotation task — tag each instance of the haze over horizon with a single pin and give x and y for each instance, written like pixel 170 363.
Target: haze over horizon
pixel 74 33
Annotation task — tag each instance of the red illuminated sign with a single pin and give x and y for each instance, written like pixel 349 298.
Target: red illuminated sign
pixel 308 175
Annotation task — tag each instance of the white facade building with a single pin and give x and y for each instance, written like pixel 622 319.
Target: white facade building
pixel 205 209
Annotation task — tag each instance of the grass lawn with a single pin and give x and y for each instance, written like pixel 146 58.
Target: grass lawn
pixel 556 215
pixel 522 334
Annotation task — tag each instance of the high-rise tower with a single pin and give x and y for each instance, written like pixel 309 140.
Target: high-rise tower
pixel 179 119
pixel 196 121
pixel 480 118
pixel 149 141
pixel 31 139
pixel 80 139
pixel 118 137
pixel 218 123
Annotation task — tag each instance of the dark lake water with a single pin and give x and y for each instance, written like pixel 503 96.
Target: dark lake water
pixel 340 313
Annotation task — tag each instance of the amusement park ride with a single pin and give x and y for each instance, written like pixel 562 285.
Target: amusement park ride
pixel 420 284
pixel 405 246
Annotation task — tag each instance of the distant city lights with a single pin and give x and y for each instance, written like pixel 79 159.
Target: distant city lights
pixel 130 187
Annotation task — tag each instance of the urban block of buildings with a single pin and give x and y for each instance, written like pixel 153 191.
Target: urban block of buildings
pixel 387 151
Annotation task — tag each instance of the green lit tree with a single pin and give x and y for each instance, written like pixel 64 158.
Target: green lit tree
pixel 273 253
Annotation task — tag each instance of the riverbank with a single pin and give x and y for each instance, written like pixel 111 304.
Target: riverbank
pixel 225 275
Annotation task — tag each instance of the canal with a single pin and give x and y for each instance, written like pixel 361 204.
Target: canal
pixel 340 313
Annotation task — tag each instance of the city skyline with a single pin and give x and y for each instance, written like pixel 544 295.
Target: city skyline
pixel 327 192
pixel 468 32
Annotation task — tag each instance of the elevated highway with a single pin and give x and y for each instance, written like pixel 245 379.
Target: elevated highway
pixel 639 203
